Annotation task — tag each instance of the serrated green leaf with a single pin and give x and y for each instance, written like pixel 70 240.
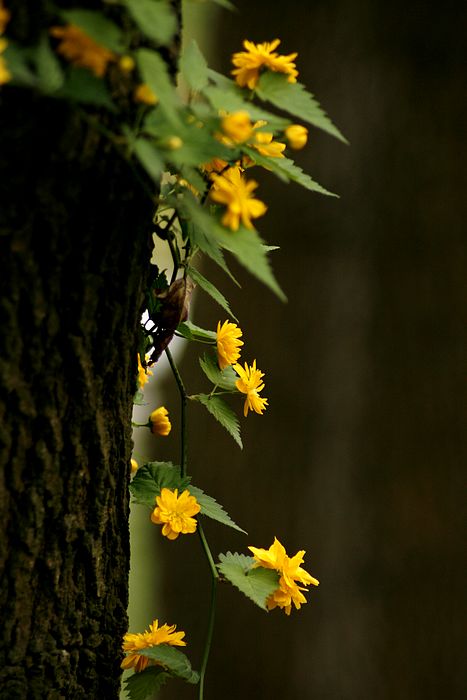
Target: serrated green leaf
pixel 49 71
pixel 296 100
pixel 210 289
pixel 192 332
pixel 286 170
pixel 231 99
pixel 225 379
pixel 144 684
pixel 82 86
pixel 193 67
pixel 154 73
pixel 223 414
pixel 249 249
pixel 173 660
pixel 152 477
pixel 194 217
pixel 212 509
pixel 155 18
pixel 96 26
pixel 150 158
pixel 256 583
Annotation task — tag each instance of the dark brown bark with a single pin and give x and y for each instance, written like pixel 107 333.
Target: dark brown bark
pixel 74 255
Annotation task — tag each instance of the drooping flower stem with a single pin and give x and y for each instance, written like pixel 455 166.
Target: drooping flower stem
pixel 212 610
pixel 183 397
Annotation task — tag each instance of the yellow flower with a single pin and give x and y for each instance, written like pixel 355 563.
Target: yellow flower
pixel 5 75
pixel 290 573
pixel 78 48
pixel 175 513
pixel 228 343
pixel 160 423
pixel 143 373
pixel 249 63
pixel 297 136
pixel 265 145
pixel 237 126
pixel 235 192
pixel 250 383
pixel 126 64
pixel 145 95
pixel 134 466
pixel 216 165
pixel 132 643
pixel 4 17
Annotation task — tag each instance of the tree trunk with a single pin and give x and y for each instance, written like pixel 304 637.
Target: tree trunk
pixel 74 256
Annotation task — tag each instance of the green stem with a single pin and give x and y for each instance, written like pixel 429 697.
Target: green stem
pixel 212 610
pixel 183 397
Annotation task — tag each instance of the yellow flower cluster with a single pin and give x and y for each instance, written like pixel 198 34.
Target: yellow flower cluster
pixel 175 513
pixel 5 75
pixel 81 50
pixel 238 128
pixel 257 57
pixel 291 574
pixel 155 635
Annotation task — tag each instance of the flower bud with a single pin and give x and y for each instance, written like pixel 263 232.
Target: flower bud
pixel 297 136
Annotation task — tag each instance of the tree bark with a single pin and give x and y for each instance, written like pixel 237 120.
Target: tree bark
pixel 74 256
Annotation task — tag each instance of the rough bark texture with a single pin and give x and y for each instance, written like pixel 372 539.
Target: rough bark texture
pixel 74 251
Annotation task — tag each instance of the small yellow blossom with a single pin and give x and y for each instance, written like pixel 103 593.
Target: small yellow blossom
pixel 174 143
pixel 175 513
pixel 126 64
pixel 145 95
pixel 134 642
pixel 4 17
pixel 237 126
pixel 5 75
pixel 160 423
pixel 297 136
pixel 250 383
pixel 81 50
pixel 290 573
pixel 143 373
pixel 216 165
pixel 265 145
pixel 248 64
pixel 134 466
pixel 235 192
pixel 228 343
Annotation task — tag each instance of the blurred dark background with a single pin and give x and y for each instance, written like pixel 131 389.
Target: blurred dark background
pixel 360 457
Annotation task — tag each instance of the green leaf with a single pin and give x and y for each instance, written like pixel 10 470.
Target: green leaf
pixel 83 86
pixel 196 219
pixel 225 3
pixel 194 178
pixel 294 98
pixel 151 478
pixel 249 249
pixel 210 289
pixel 98 27
pixel 193 67
pixel 144 684
pixel 18 61
pixel 49 70
pixel 225 379
pixel 149 157
pixel 222 413
pixel 173 660
pixel 231 99
pixel 286 170
pixel 155 18
pixel 212 509
pixel 192 332
pixel 154 73
pixel 257 584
